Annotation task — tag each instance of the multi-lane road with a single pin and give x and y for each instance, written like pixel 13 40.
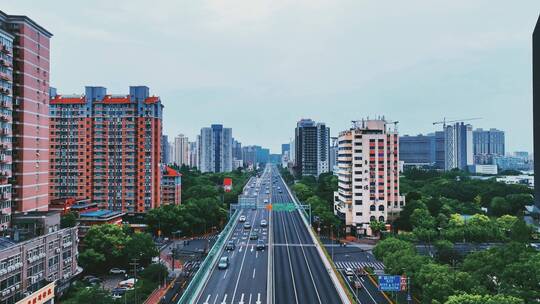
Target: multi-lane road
pixel 294 273
pixel 245 279
pixel 299 274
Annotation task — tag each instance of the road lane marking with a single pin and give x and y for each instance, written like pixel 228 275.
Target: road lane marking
pixel 241 299
pixel 258 299
pixel 290 263
pixel 305 259
pixel 249 299
pixel 225 273
pixel 208 298
pixel 224 300
pixel 215 300
pixel 254 272
pixel 243 259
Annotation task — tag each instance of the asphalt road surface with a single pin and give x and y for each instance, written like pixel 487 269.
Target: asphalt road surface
pixel 297 274
pixel 244 280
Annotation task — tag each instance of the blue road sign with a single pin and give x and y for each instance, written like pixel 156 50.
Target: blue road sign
pixel 389 283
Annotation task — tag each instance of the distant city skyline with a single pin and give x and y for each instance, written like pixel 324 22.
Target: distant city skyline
pixel 262 71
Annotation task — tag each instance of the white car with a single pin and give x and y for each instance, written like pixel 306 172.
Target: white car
pixel 349 272
pixel 117 271
pixel 242 218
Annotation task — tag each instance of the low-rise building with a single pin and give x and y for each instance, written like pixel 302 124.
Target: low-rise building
pixel 483 169
pixel 99 217
pixel 65 205
pixel 33 267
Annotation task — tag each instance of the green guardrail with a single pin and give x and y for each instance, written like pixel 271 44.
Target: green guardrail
pixel 196 284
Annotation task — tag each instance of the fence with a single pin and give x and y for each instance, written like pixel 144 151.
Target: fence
pixel 200 278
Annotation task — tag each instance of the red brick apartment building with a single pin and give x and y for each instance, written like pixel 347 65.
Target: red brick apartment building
pixel 24 116
pixel 107 148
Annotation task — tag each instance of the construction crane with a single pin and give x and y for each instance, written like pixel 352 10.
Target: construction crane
pixel 444 121
pixel 395 123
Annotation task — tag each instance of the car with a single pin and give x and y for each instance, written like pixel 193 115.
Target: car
pixel 88 277
pixel 223 263
pixel 242 218
pixel 263 223
pixel 117 271
pixel 118 292
pixel 349 271
pixel 95 281
pixel 267 192
pixel 261 245
pixel 247 225
pixel 253 207
pixel 280 191
pixel 230 246
pixel 128 284
pixel 266 201
pixel 253 236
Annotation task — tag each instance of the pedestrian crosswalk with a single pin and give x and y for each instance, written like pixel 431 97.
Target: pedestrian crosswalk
pixel 356 265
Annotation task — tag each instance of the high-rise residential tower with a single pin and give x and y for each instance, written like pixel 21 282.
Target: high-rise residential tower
pixel 487 144
pixel 107 148
pixel 368 175
pixel 181 150
pixel 194 153
pixel 171 187
pixel 458 140
pixel 165 149
pixel 249 155
pixel 536 109
pixel 312 146
pixel 215 146
pixel 6 119
pixel 30 66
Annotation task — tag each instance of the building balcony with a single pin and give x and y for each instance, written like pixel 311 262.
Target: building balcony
pixel 6 50
pixel 5 63
pixel 5 76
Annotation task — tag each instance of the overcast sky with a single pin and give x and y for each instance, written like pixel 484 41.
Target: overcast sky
pixel 260 65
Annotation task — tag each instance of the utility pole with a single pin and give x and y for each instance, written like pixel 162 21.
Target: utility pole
pixel 135 263
pixel 409 298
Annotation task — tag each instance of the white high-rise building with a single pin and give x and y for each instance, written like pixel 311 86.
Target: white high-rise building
pixel 458 141
pixel 194 153
pixel 215 146
pixel 181 150
pixel 368 175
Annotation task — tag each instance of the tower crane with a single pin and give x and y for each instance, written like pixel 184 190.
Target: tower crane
pixel 444 121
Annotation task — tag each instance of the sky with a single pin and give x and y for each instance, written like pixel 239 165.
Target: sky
pixel 258 66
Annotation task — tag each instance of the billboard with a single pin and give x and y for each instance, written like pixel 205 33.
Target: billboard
pixel 227 184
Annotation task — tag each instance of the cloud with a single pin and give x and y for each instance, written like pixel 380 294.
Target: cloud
pixel 258 66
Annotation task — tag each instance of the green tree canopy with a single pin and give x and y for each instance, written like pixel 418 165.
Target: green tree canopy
pixel 91 295
pixel 483 299
pixel 69 219
pixel 141 246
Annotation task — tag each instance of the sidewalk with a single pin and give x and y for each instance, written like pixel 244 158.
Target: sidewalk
pixel 156 296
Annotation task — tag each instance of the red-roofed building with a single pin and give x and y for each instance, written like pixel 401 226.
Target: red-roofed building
pixel 171 187
pixel 107 148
